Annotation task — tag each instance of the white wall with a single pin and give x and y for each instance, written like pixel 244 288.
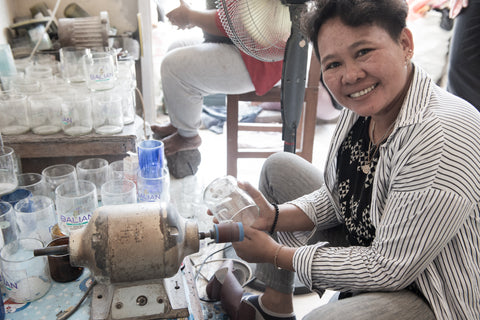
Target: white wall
pixel 122 14
pixel 5 19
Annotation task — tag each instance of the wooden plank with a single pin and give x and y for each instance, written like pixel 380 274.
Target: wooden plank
pixel 37 152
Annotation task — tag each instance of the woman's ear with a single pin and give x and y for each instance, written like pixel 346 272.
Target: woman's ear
pixel 406 41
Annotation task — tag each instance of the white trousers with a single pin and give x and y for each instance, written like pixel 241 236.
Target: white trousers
pixel 192 70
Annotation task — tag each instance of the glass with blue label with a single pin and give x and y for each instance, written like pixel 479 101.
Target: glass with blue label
pixel 76 201
pixel 77 115
pixel 154 189
pixel 99 69
pixel 151 158
pixel 25 277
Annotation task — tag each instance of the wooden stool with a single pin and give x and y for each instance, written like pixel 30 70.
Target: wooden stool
pixel 306 128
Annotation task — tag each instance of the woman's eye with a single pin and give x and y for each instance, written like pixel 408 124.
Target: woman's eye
pixel 332 65
pixel 363 52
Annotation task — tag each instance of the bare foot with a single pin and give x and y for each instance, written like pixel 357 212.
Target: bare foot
pixel 162 131
pixel 175 143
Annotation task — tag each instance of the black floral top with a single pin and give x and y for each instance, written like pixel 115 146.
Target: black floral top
pixel 355 186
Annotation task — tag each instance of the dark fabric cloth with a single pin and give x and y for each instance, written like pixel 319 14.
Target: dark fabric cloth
pixel 355 187
pixel 464 59
pixel 214 117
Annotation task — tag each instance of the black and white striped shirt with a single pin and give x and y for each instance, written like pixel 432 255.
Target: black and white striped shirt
pixel 425 208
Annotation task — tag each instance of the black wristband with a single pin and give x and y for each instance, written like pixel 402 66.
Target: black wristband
pixel 275 220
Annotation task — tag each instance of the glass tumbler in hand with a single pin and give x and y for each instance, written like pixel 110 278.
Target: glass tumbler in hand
pixel 229 203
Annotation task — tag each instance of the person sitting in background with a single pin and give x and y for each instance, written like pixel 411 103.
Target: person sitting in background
pixel 399 201
pixel 463 77
pixel 191 72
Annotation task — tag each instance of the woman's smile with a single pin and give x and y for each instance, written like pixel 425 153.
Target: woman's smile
pixel 363 92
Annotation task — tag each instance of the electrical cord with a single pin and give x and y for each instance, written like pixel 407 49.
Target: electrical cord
pixel 66 314
pixel 200 266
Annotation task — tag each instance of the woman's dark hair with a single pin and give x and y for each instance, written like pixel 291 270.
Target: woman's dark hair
pixel 390 15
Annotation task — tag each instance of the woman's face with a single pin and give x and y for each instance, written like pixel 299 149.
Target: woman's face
pixel 363 67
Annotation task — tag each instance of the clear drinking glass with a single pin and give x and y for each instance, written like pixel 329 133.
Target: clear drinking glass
pixel 228 202
pixel 45 113
pixel 118 191
pixel 125 90
pixel 36 217
pixel 7 80
pixel 8 225
pixel 99 69
pixel 25 276
pixel 8 175
pixel 39 72
pixel 107 112
pixel 154 189
pixel 76 201
pixel 77 115
pixel 13 123
pixel 26 86
pixel 55 85
pixel 94 170
pixel 71 63
pixel 116 170
pixel 35 183
pixel 57 174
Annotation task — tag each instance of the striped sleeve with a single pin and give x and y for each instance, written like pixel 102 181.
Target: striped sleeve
pixel 318 207
pixel 425 208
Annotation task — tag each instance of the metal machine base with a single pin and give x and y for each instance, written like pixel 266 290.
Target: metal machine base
pixel 152 299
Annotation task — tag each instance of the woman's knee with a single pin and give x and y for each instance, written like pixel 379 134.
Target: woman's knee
pixel 398 305
pixel 286 176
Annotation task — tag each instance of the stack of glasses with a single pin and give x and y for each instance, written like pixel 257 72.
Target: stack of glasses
pixel 89 89
pixel 153 178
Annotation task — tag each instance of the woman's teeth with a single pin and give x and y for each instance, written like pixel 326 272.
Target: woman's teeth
pixel 362 92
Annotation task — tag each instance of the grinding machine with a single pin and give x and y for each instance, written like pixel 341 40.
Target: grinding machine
pixel 134 253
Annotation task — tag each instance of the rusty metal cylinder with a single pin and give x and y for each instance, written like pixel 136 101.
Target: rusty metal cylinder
pixel 134 242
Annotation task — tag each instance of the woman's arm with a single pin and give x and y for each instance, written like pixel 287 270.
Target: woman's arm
pixel 186 17
pixel 290 217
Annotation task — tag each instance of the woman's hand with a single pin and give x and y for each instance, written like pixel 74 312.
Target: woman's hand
pixel 266 209
pixel 180 16
pixel 256 247
pixel 456 6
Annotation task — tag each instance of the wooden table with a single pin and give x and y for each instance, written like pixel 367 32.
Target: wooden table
pixel 38 152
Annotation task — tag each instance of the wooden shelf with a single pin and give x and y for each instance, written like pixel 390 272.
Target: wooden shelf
pixel 38 152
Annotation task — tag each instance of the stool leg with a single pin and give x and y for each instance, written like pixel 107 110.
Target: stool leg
pixel 232 134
